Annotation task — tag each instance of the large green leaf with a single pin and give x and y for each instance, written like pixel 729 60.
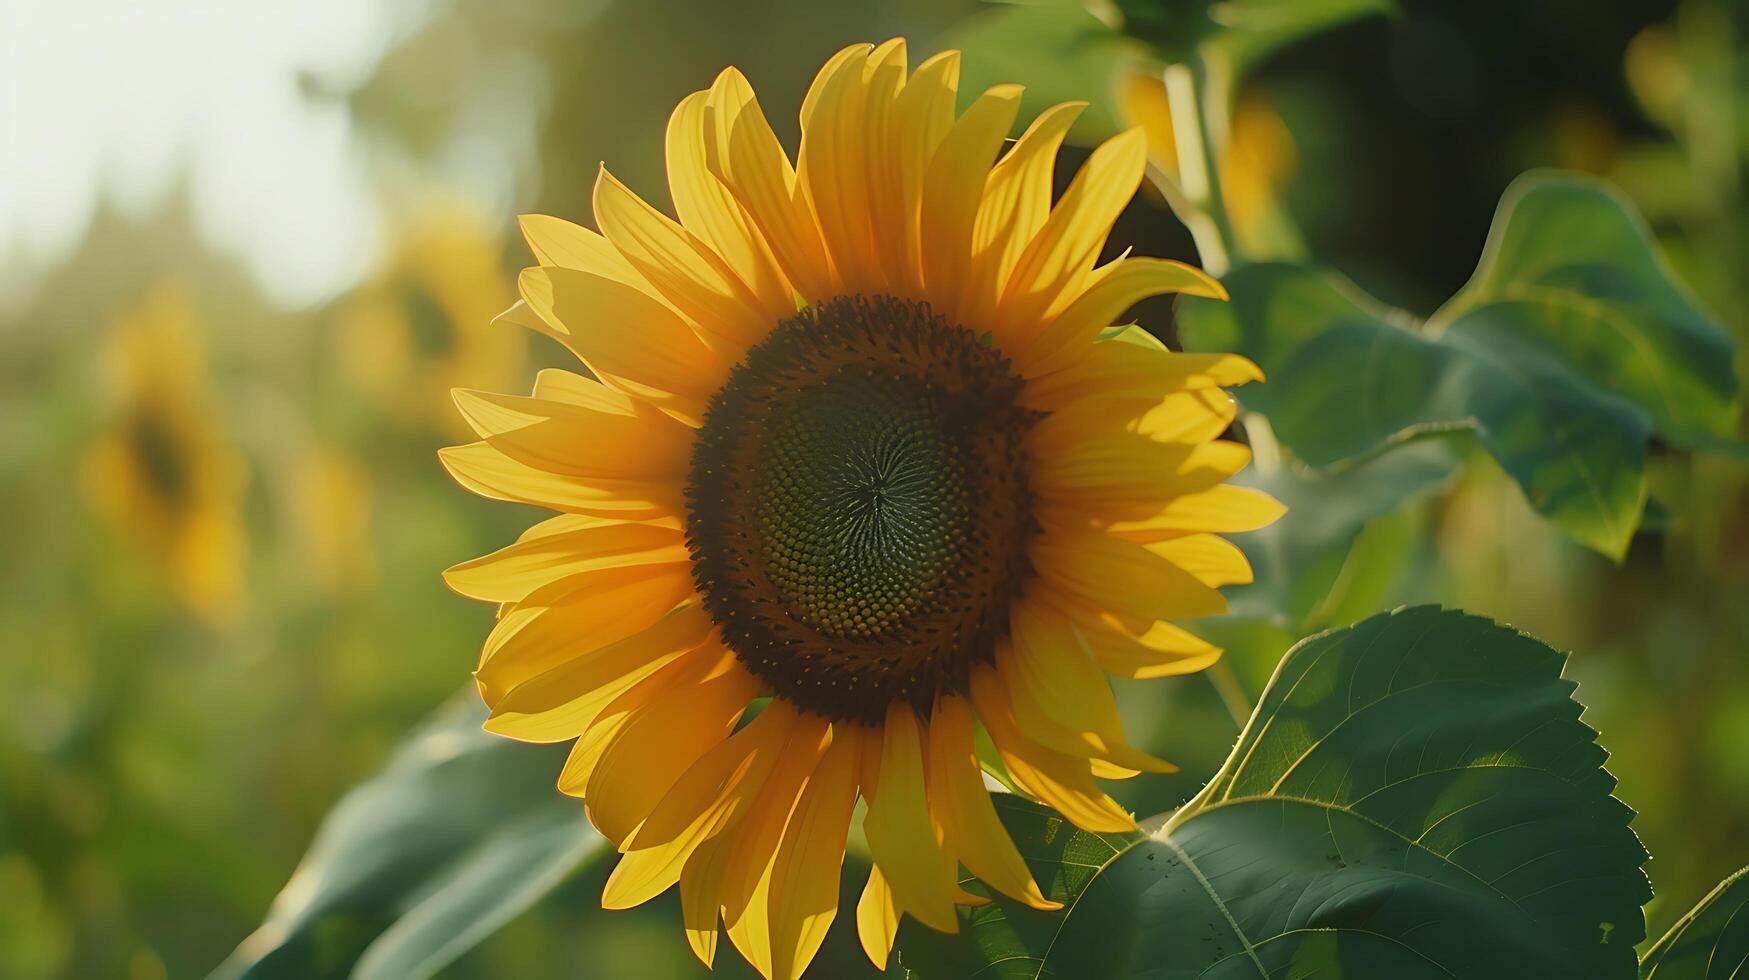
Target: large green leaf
pixel 460 832
pixel 1570 268
pixel 1711 942
pixel 1348 378
pixel 1569 348
pixel 1415 796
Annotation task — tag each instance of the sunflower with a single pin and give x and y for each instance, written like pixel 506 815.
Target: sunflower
pixel 862 466
pixel 164 471
pixel 420 326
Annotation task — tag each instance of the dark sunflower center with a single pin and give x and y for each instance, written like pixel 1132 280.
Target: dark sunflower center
pixel 859 509
pixel 861 502
pixel 161 455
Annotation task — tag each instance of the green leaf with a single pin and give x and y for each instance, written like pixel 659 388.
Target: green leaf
pixel 1571 345
pixel 1415 796
pixel 1569 268
pixel 1295 561
pixel 459 833
pixel 1711 942
pixel 1349 378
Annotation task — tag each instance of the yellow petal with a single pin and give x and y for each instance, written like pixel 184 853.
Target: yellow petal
pixel 1136 378
pixel 647 755
pixel 804 877
pixel 1223 508
pixel 747 898
pixel 595 610
pixel 958 796
pixel 566 523
pixel 1087 457
pixel 1071 336
pixel 707 209
pixel 668 439
pixel 520 314
pixel 900 834
pixel 819 87
pixel 559 385
pixel 1138 648
pixel 1055 687
pixel 682 268
pixel 1123 474
pixel 559 703
pixel 953 187
pixel 627 339
pixel 922 114
pixel 747 157
pixel 701 887
pixel 877 918
pixel 886 71
pixel 833 168
pixel 487 471
pixel 1214 560
pixel 638 442
pixel 510 574
pixel 1122 576
pixel 642 875
pixel 705 800
pixel 619 713
pixel 1017 200
pixel 1188 416
pixel 555 241
pixel 1051 270
pixel 1060 780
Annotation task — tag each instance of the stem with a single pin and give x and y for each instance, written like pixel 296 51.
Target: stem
pixel 1197 94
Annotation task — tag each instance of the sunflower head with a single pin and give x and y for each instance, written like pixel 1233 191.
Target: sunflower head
pixel 858 506
pixel 857 436
pixel 420 326
pixel 164 470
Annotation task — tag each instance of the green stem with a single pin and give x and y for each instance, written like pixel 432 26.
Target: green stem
pixel 1198 93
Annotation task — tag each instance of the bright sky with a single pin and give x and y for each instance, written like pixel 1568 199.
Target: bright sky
pixel 117 97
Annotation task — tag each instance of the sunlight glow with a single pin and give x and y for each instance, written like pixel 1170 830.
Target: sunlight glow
pixel 126 101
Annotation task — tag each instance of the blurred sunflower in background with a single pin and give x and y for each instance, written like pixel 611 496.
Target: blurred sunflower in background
pixel 863 465
pixel 1257 160
pixel 164 470
pixel 421 326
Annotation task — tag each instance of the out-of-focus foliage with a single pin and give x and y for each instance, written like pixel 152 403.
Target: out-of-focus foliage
pixel 458 834
pixel 167 757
